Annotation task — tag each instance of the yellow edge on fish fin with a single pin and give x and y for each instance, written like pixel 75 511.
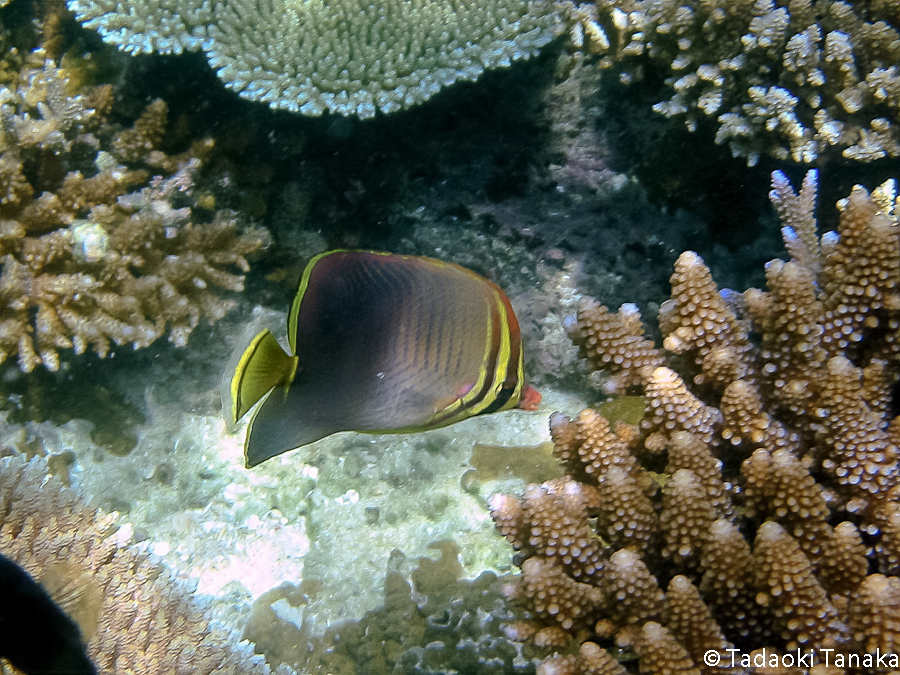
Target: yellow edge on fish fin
pixel 506 356
pixel 500 368
pixel 298 296
pixel 263 366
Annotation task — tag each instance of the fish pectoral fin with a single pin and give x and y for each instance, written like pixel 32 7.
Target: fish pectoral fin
pixel 263 366
pixel 445 403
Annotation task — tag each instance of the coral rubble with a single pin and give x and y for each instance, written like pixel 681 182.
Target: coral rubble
pixel 135 618
pixel 346 57
pixel 794 80
pixel 89 260
pixel 432 621
pixel 756 503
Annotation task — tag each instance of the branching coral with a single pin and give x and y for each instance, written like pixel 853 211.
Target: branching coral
pixel 793 79
pixel 86 263
pixel 344 56
pixel 142 622
pixel 778 450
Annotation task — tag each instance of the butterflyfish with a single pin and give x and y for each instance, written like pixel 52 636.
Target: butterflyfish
pixel 380 343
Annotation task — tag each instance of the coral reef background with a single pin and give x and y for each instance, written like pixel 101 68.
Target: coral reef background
pixel 348 58
pixel 143 199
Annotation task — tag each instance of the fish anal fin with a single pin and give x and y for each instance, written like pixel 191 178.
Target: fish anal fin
pixel 263 366
pixel 530 398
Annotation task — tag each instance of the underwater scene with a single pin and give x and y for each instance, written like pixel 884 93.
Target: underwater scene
pixel 509 337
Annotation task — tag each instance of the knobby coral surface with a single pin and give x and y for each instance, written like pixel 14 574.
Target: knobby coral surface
pixel 89 260
pixel 345 56
pixel 793 79
pixel 137 619
pixel 756 504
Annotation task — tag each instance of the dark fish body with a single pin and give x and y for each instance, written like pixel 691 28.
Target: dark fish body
pixel 36 636
pixel 381 343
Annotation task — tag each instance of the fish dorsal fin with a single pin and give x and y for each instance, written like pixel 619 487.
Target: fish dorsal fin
pixel 263 366
pixel 298 297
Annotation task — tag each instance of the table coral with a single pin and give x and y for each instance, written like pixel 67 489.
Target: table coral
pixel 88 263
pixel 794 80
pixel 778 445
pixel 343 56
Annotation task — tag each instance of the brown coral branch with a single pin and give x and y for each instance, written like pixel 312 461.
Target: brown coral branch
pixel 91 264
pixel 782 470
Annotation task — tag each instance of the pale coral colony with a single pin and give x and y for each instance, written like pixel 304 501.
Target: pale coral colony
pixel 347 57
pixel 794 80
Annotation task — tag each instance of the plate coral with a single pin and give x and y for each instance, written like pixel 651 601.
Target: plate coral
pixel 345 56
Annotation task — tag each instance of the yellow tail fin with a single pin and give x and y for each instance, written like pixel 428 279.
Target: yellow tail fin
pixel 263 366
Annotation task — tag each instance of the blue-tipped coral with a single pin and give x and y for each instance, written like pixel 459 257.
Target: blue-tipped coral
pixel 797 81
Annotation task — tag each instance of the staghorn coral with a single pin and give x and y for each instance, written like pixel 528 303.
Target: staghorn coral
pixel 795 80
pixel 614 342
pixel 727 586
pixel 779 499
pixel 690 620
pixel 673 408
pixel 554 515
pixel 875 614
pixel 590 659
pixel 800 606
pixel 145 623
pixel 685 519
pixel 625 514
pixel 631 591
pixel 660 653
pixel 557 596
pixel 89 263
pixel 346 57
